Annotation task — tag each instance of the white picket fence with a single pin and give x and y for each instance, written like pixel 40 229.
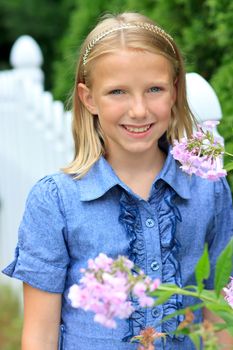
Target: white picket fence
pixel 35 138
pixel 35 134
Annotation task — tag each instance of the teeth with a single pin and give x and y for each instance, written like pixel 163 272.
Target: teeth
pixel 133 129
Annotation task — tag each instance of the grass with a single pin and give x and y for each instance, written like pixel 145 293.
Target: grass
pixel 10 319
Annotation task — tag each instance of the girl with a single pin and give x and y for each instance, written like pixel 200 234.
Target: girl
pixel 123 194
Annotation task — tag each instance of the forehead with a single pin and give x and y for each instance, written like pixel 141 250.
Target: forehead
pixel 131 63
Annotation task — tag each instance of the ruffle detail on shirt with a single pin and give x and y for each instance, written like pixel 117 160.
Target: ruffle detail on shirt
pixel 168 215
pixel 130 219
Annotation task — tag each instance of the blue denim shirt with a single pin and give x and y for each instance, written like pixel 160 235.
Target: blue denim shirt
pixel 67 221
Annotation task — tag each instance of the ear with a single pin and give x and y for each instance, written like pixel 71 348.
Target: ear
pixel 86 97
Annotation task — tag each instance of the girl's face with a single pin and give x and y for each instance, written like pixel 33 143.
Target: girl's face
pixel 132 94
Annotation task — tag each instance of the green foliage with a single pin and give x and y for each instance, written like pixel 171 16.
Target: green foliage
pixel 223 268
pixel 163 296
pixel 10 320
pixel 229 166
pixel 44 21
pixel 210 299
pixel 226 130
pixel 222 82
pixel 202 270
pixel 196 340
pixel 221 17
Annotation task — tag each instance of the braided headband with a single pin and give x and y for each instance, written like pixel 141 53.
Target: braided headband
pixel 152 28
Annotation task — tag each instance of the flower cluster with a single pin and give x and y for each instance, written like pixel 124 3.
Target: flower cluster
pixel 229 293
pixel 201 154
pixel 105 288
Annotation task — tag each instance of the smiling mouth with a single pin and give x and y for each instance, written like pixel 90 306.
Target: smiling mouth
pixel 137 130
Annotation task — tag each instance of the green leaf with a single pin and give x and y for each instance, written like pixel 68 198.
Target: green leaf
pixel 225 315
pixel 220 327
pixel 230 330
pixel 190 287
pixel 223 268
pixel 222 311
pixel 224 327
pixel 163 297
pixel 210 296
pixel 184 331
pixel 202 269
pixel 228 166
pixel 165 288
pixel 183 311
pixel 196 340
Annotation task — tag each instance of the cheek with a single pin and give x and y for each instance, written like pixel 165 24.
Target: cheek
pixel 162 108
pixel 112 110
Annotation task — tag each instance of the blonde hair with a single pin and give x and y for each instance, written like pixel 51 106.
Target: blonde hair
pixel 126 30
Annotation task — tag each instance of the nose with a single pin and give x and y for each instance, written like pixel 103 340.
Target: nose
pixel 138 107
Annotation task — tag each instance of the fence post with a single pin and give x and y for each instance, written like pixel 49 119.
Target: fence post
pixel 203 100
pixel 26 59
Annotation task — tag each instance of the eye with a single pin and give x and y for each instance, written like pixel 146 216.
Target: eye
pixel 154 89
pixel 116 92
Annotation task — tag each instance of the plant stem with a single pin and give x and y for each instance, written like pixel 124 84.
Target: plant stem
pixel 228 154
pixel 190 293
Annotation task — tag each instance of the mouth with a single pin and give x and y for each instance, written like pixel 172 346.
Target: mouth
pixel 137 129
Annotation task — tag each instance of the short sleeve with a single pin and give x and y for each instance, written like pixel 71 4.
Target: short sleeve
pixel 41 256
pixel 222 230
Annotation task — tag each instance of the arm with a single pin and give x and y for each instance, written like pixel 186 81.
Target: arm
pixel 224 338
pixel 42 312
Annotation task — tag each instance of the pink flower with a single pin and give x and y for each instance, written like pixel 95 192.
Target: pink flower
pixel 75 296
pixel 145 301
pixel 139 289
pixel 210 124
pixel 201 154
pixel 229 293
pixel 154 285
pixel 106 286
pixel 101 262
pixel 214 174
pixel 105 321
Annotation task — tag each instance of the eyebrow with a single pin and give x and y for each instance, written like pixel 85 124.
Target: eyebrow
pixel 124 86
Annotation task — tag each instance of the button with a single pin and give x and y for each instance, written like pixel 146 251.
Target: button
pixel 154 265
pixel 155 312
pixel 150 223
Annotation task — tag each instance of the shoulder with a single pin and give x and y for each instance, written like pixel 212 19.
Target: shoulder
pixel 213 193
pixel 55 182
pixel 223 196
pixel 217 188
pixel 53 189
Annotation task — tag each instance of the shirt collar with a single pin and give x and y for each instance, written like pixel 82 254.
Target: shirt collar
pixel 101 178
pixel 175 177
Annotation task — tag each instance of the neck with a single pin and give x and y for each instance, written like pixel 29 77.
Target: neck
pixel 137 163
pixel 138 172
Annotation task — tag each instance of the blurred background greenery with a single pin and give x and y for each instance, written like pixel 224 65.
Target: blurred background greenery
pixel 202 28
pixel 10 319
